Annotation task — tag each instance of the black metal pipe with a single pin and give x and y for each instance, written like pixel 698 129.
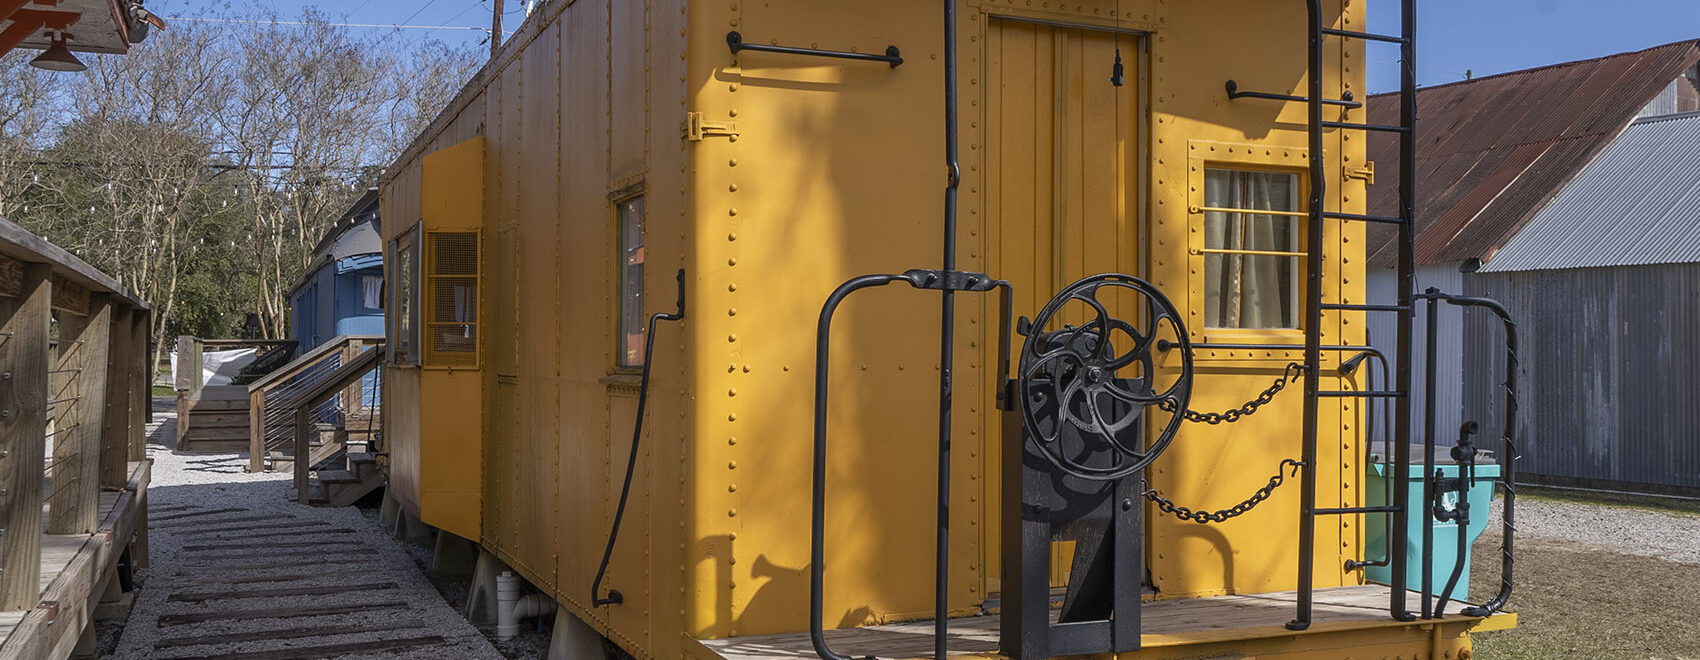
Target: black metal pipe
pixel 947 339
pixel 1430 359
pixel 1407 286
pixel 614 596
pixel 1313 333
pixel 735 41
pixel 1354 510
pixel 817 512
pixel 1464 454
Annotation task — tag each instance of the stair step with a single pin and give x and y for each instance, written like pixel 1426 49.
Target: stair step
pixel 337 477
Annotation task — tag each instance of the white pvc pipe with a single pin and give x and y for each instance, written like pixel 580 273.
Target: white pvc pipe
pixel 511 607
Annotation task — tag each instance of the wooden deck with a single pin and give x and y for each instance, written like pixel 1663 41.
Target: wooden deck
pixel 75 569
pixel 1166 623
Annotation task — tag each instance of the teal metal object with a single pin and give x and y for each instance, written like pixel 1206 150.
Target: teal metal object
pixel 1445 533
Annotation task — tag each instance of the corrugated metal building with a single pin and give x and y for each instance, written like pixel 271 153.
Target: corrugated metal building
pixel 1605 282
pixel 1493 152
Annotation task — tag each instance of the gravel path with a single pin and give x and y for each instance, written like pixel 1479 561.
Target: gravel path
pixel 1646 533
pixel 238 571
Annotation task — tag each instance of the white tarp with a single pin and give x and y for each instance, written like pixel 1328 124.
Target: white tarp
pixel 219 367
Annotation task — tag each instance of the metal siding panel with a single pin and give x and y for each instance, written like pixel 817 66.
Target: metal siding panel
pixel 1450 360
pixel 1638 202
pixel 1600 397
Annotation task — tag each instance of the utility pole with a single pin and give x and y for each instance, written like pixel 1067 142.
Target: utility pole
pixel 496 30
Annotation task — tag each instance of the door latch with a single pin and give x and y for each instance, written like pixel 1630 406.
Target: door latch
pixel 697 129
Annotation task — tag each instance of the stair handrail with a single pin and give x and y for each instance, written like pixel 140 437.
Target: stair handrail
pixel 258 424
pixel 304 403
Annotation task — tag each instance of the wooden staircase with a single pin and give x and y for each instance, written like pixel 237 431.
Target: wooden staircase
pixel 323 407
pixel 213 419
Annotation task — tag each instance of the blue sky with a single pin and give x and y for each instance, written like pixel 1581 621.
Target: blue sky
pixel 1496 36
pixel 1455 36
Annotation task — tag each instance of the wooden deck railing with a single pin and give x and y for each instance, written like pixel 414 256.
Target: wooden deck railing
pixel 272 400
pixel 73 410
pixel 351 374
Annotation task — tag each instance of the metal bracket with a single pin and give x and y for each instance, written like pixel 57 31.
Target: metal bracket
pixel 1366 172
pixel 696 129
pixel 950 280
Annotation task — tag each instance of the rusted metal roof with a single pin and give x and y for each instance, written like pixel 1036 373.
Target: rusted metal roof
pixel 1636 204
pixel 1492 151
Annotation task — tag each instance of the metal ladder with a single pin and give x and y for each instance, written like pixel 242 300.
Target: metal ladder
pixel 1315 307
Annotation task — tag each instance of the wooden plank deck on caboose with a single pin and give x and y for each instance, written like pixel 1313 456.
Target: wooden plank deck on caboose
pixel 1166 623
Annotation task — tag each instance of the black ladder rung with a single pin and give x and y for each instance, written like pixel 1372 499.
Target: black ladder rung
pixel 1366 308
pixel 1387 128
pixel 1356 509
pixel 1385 394
pixel 1364 35
pixel 1388 219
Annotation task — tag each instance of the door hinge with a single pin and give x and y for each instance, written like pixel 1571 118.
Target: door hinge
pixel 696 128
pixel 1367 172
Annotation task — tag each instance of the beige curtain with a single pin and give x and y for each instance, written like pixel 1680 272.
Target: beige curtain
pixel 1250 291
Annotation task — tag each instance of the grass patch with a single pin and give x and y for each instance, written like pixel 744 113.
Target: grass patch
pixel 1579 602
pixel 161 390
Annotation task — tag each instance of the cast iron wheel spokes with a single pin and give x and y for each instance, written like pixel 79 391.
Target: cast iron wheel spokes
pixel 1075 370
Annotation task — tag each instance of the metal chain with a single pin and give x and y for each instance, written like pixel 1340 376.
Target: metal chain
pixel 1202 517
pixel 1290 373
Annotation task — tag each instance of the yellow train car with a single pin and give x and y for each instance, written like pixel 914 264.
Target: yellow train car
pixel 773 149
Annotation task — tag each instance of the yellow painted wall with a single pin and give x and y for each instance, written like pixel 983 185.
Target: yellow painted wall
pixel 835 170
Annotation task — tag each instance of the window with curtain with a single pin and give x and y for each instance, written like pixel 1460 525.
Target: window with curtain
pixel 1251 260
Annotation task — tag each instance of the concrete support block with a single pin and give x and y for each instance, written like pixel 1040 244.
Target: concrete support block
pixel 389 510
pixel 481 595
pixel 453 556
pixel 409 528
pixel 574 639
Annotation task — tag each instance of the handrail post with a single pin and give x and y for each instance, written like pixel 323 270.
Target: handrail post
pixel 257 431
pixel 23 435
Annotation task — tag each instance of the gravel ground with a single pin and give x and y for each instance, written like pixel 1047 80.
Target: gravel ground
pixel 221 539
pixel 1672 535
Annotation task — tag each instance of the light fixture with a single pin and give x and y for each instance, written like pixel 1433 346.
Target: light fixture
pixel 58 58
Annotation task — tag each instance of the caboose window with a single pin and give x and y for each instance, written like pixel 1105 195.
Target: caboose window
pixel 404 307
pixel 1251 249
pixel 631 282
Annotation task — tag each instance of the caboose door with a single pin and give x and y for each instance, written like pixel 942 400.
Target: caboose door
pixel 1064 158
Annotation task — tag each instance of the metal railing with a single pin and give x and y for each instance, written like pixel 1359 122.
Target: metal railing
pixel 275 399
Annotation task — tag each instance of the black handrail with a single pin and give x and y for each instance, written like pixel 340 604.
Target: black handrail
pixel 892 56
pixel 1508 454
pixel 614 597
pixel 948 281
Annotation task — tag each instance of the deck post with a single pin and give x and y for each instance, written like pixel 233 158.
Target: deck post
pixel 257 430
pixel 23 435
pixel 76 450
pixel 141 385
pixel 115 416
pixel 303 451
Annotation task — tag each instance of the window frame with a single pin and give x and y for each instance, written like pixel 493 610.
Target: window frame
pixel 404 307
pixel 619 200
pixel 1207 155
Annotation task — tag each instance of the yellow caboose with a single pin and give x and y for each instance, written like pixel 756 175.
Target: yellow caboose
pixel 754 156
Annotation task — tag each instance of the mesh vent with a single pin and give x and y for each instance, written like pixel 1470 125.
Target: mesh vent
pixel 451 318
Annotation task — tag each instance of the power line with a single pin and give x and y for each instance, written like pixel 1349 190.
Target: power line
pixel 385 26
pixel 421 9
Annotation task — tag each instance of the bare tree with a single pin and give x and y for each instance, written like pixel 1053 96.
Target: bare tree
pixel 26 112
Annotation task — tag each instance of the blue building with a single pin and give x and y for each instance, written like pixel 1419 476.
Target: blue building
pixel 342 291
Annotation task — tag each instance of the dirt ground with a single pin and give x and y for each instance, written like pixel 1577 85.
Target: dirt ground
pixel 1594 597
